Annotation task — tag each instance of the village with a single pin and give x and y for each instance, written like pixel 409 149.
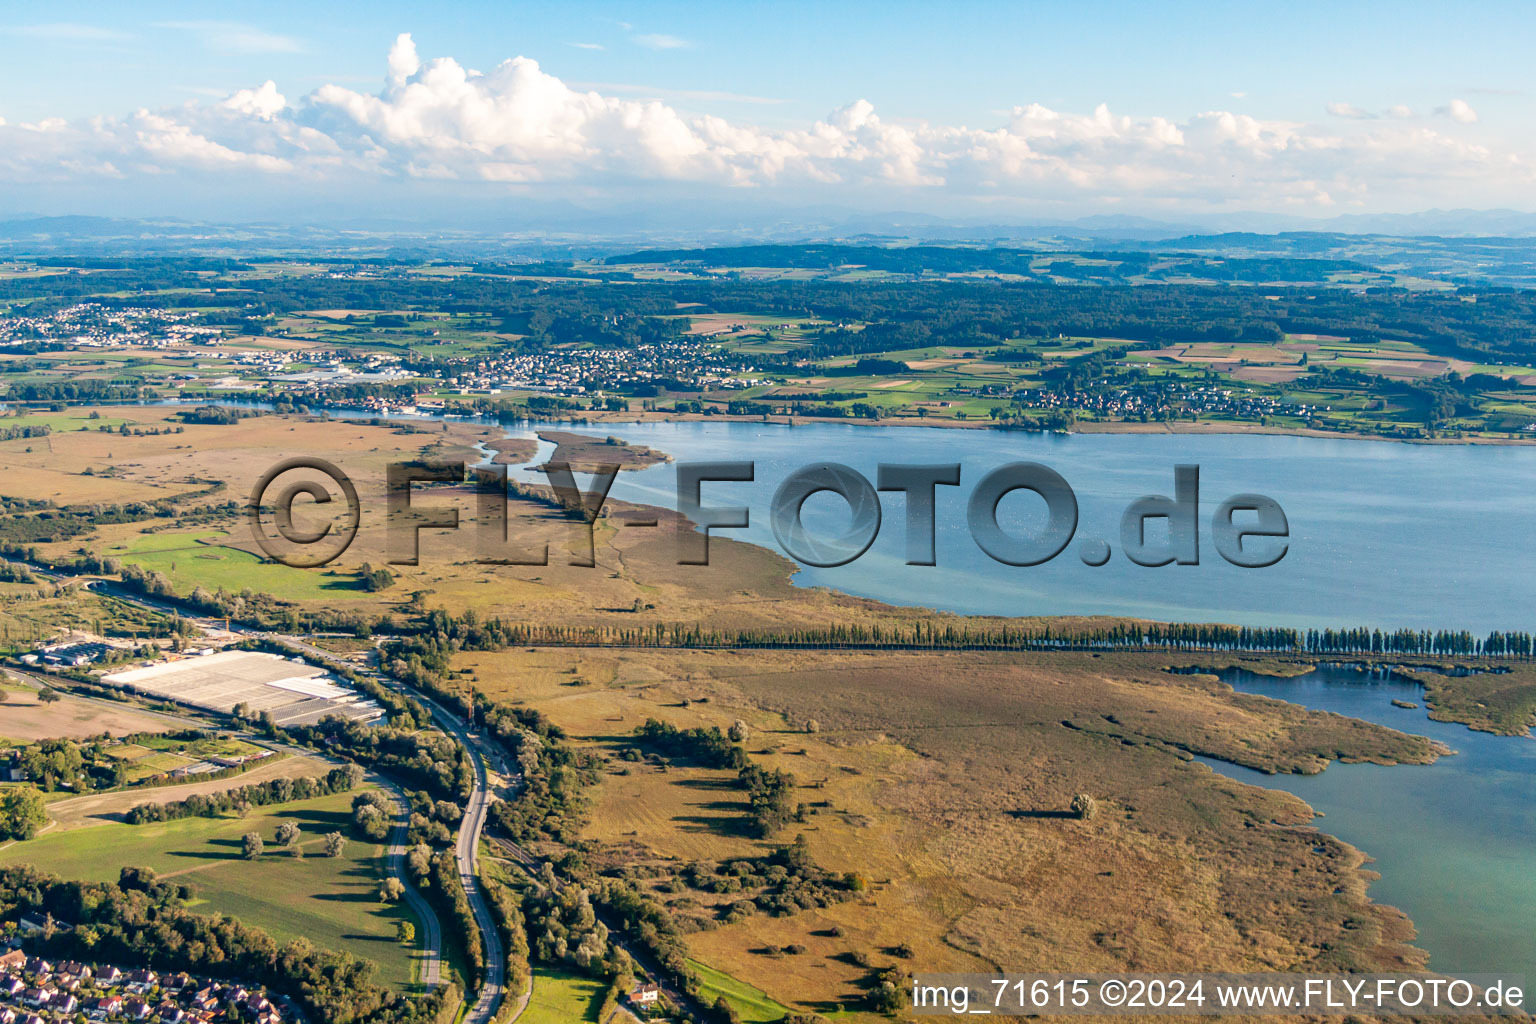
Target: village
pixel 36 991
pixel 96 325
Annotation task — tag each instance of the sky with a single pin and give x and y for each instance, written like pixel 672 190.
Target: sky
pixel 979 111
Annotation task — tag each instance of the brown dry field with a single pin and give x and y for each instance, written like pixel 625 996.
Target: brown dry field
pixel 512 451
pixel 1268 374
pixel 717 323
pixel 1213 352
pixel 1408 369
pixel 943 772
pixel 23 718
pixel 99 808
pixel 945 775
pixel 635 584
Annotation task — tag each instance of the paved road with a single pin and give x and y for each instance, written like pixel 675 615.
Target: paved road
pixel 468 854
pixel 432 941
pixel 432 937
pixel 472 826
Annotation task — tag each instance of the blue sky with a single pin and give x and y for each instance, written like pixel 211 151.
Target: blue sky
pixel 1061 109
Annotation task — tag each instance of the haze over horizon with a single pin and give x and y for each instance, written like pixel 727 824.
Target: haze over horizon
pixel 304 114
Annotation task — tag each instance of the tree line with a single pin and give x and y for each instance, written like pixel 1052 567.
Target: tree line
pixel 341 779
pixel 945 634
pixel 142 921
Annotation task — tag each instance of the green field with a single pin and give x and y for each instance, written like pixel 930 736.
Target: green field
pixel 62 421
pixel 197 559
pixel 560 997
pixel 333 903
pixel 753 1004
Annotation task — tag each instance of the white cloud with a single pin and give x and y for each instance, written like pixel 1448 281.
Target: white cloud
pixel 1400 111
pixel 235 37
pixel 589 46
pixel 1349 110
pixel 517 125
pixel 167 140
pixel 661 41
pixel 264 103
pixel 1459 111
pixel 708 95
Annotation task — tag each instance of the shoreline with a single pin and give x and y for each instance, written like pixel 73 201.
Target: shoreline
pixel 1296 663
pixel 596 417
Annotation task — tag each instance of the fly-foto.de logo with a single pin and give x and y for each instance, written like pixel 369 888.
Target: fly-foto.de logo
pixel 1247 530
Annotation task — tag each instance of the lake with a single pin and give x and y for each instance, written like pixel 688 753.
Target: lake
pixel 1382 534
pixel 1453 840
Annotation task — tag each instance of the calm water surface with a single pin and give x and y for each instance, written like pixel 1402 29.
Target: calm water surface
pixel 1382 534
pixel 1454 841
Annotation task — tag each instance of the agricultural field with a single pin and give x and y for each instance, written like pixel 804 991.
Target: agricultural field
pixel 72 812
pixel 331 902
pixel 23 718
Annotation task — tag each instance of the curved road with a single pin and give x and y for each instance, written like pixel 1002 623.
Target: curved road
pixel 432 931
pixel 467 849
pixel 481 753
pixel 432 968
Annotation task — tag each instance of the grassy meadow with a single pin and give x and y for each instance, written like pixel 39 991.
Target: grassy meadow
pixel 754 1006
pixel 561 997
pixel 200 559
pixel 332 902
